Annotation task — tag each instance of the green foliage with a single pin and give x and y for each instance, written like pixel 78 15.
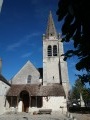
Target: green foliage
pixel 84 78
pixel 74 93
pixel 79 88
pixel 76 27
pixel 86 94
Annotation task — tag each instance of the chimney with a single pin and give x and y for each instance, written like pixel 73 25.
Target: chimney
pixel 0 65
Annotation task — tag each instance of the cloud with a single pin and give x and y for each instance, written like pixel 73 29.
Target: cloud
pixel 32 35
pixel 1 3
pixel 14 46
pixel 18 44
pixel 26 55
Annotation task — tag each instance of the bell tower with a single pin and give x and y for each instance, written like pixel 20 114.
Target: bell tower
pixel 54 68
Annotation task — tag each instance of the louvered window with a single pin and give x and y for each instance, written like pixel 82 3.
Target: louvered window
pixel 49 50
pixel 54 50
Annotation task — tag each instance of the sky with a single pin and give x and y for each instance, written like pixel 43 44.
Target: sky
pixel 22 24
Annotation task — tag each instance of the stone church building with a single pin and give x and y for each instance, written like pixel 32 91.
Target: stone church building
pixel 32 89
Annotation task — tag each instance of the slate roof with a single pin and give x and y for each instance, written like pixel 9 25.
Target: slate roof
pixel 37 90
pixel 3 79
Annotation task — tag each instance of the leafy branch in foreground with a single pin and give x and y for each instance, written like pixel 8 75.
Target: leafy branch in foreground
pixel 76 27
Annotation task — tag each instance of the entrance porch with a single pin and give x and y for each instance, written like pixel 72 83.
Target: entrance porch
pixel 24 102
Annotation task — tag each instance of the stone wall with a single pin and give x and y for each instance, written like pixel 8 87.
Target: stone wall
pixel 3 90
pixel 55 103
pixel 22 76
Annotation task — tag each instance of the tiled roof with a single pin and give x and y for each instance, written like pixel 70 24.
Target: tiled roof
pixel 37 90
pixel 4 80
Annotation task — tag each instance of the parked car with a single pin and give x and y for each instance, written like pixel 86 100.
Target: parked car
pixel 73 103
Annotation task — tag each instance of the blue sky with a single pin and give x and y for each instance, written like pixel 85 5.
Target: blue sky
pixel 22 23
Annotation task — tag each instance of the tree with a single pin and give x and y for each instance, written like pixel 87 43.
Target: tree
pixel 74 94
pixel 77 89
pixel 86 95
pixel 76 27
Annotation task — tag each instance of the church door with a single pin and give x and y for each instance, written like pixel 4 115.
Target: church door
pixel 25 101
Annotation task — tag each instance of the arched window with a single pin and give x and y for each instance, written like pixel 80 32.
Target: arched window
pixel 29 79
pixel 49 50
pixel 55 50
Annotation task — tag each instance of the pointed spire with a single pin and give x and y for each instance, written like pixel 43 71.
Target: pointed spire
pixel 50 31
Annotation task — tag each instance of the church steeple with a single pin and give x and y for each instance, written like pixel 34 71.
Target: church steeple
pixel 51 31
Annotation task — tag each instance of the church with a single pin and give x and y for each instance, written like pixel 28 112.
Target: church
pixel 33 89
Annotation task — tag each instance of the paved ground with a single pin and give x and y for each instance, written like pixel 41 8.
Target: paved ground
pixel 28 116
pixel 53 116
pixel 81 116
